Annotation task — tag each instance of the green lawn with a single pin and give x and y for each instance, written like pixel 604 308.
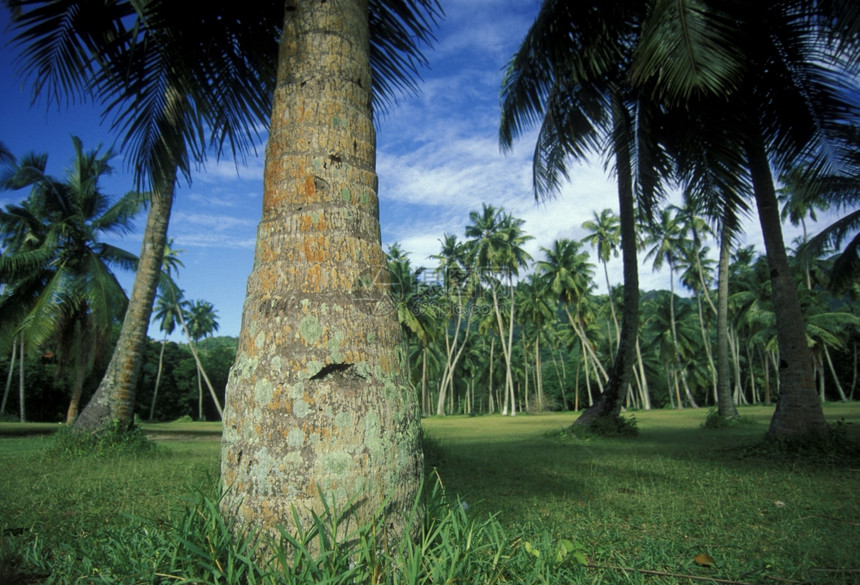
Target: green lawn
pixel 656 501
pixel 651 503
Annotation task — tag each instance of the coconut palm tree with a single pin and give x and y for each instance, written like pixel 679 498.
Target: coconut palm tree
pixel 53 255
pixel 198 321
pixel 667 245
pixel 174 83
pixel 318 407
pixel 162 79
pixel 460 284
pixel 166 313
pixel 568 275
pixel 783 72
pixel 570 75
pixel 497 239
pixel 537 312
pixel 605 237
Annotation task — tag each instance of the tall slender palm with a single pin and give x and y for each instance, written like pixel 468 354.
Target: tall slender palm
pixel 570 74
pixel 167 313
pixel 497 239
pixel 537 312
pixel 317 402
pixel 567 273
pixel 167 309
pixel 605 237
pixel 782 72
pixel 54 256
pixel 460 283
pixel 200 320
pixel 667 246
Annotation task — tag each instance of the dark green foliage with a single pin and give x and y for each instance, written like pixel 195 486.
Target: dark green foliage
pixel 70 441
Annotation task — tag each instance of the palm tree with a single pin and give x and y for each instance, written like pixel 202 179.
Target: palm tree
pixel 570 74
pixel 568 275
pixel 537 312
pixel 167 309
pixel 497 238
pixel 667 245
pixel 460 283
pixel 605 237
pixel 198 321
pixel 161 88
pixel 53 255
pixel 317 402
pixel 778 76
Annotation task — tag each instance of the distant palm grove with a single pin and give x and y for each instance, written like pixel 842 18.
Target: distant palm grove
pixel 463 335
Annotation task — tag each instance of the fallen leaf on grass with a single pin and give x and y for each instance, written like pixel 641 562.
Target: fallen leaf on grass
pixel 704 560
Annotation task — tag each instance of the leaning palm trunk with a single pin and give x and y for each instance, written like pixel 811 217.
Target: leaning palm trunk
pixel 798 411
pixel 201 373
pixel 318 409
pixel 612 398
pixel 113 400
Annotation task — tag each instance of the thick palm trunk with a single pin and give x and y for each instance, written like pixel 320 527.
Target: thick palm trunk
pixel 725 405
pixel 317 402
pixel 612 398
pixel 114 398
pixel 77 387
pixel 798 411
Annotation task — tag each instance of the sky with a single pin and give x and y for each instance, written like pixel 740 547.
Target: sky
pixel 438 159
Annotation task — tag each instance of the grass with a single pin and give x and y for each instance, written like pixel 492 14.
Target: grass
pixel 651 503
pixel 675 491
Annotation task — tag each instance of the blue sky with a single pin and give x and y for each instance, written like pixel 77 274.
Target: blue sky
pixel 438 159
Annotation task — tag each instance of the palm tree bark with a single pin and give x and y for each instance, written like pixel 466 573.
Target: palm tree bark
pixel 612 398
pixel 725 405
pixel 114 397
pixel 317 403
pixel 798 411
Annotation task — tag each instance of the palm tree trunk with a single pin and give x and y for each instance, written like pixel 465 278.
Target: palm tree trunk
pixel 646 395
pixel 612 398
pixel 839 389
pixel 9 375
pixel 157 379
pixel 725 405
pixel 587 349
pixel 199 395
pixel 798 411
pixel 77 387
pixel 21 411
pixel 506 353
pixel 114 397
pixel 201 373
pixel 318 403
